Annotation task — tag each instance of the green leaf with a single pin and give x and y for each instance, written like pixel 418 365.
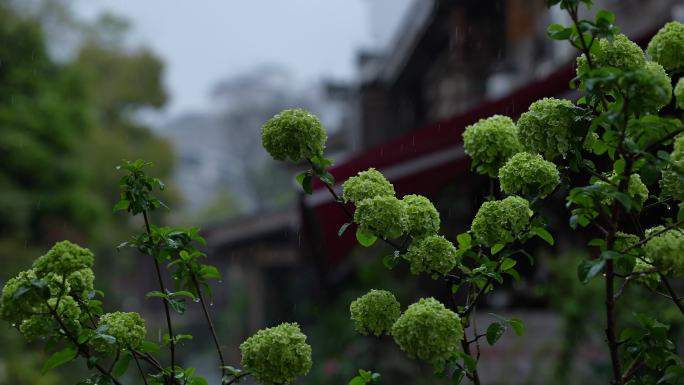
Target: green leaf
pixel 209 272
pixel 326 178
pixel 342 229
pixel 365 239
pixel 198 381
pixel 464 240
pixel 544 234
pixel 60 358
pixel 589 269
pixel 122 205
pixel 496 248
pixel 517 325
pixel 156 294
pixel 307 184
pixel 558 32
pixel 122 365
pixel 469 362
pixel 357 381
pixel 390 261
pixel 494 332
pixel 148 347
pixel 507 263
pixel 605 16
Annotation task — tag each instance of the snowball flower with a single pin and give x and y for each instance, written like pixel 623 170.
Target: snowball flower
pixel 384 216
pixel 13 309
pixel 667 46
pixel 433 255
pixel 293 135
pixel 428 331
pixel 546 127
pixel 423 217
pixel 650 89
pixel 63 258
pixel 366 184
pixel 375 312
pixel 491 142
pixel 501 221
pixel 128 330
pixel 277 355
pixel 671 183
pixel 621 53
pixel 679 93
pixel 529 175
pixel 666 250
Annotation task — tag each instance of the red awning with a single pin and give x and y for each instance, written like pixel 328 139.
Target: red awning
pixel 422 161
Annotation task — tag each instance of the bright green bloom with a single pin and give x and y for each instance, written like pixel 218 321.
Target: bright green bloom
pixel 375 312
pixel 501 221
pixel 432 255
pixel 491 142
pixel 81 282
pixel 366 184
pixel 679 93
pixel 428 331
pixel 68 311
pixel 667 46
pixel 128 330
pixel 546 128
pixel 666 250
pixel 529 175
pixel 621 53
pixel 277 355
pixel 423 217
pixel 649 279
pixel 63 258
pixel 384 216
pixel 671 183
pixel 649 90
pixel 14 310
pixel 293 135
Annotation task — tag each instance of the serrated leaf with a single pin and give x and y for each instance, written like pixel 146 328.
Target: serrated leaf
pixel 544 234
pixel 464 240
pixel 589 269
pixel 122 365
pixel 517 325
pixel 494 332
pixel 496 248
pixel 60 358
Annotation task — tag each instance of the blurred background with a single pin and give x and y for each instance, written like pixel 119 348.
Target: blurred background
pixel 187 86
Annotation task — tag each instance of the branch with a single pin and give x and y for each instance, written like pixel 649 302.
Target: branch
pixel 673 295
pixel 237 378
pixel 209 322
pixel 172 340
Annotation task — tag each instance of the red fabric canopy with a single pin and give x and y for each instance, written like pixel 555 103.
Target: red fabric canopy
pixel 422 161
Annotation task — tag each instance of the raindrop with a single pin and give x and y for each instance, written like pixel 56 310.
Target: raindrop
pixel 196 300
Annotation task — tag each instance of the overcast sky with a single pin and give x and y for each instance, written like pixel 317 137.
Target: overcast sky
pixel 204 41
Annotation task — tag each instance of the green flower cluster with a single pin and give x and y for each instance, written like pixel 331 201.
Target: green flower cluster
pixel 293 135
pixel 620 52
pixel 491 142
pixel 128 330
pixel 650 90
pixel 666 250
pixel 428 331
pixel 667 46
pixel 375 312
pixel 636 189
pixel 423 217
pixel 383 215
pixel 679 93
pixel 54 283
pixel 433 255
pixel 63 258
pixel 649 279
pixel 546 127
pixel 366 184
pixel 529 175
pixel 671 183
pixel 277 355
pixel 501 221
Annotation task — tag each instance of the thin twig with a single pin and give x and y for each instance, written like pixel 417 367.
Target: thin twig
pixel 209 322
